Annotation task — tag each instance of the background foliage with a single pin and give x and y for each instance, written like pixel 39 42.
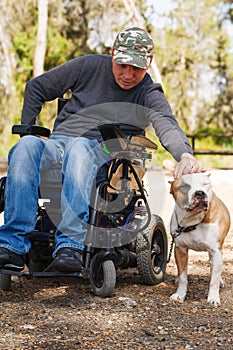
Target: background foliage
pixel 193 53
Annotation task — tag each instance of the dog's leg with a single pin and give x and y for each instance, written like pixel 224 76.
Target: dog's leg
pixel 222 283
pixel 215 279
pixel 181 257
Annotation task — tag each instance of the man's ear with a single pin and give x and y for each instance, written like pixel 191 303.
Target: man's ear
pixel 151 59
pixel 112 53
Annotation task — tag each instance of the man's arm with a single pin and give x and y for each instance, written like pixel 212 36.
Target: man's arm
pixel 48 87
pixel 171 136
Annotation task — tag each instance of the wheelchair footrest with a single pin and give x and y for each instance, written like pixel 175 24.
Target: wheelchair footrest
pixel 30 274
pixel 56 274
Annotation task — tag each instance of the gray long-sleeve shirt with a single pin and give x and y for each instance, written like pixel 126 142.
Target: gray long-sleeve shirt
pixel 97 99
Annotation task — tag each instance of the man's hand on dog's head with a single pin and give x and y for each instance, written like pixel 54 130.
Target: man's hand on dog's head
pixel 187 165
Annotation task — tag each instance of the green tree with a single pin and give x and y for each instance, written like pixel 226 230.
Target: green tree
pixel 228 10
pixel 222 114
pixel 222 106
pixel 193 52
pixel 189 58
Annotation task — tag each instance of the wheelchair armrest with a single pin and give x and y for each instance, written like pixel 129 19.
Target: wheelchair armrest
pixel 30 129
pixel 133 147
pixel 143 141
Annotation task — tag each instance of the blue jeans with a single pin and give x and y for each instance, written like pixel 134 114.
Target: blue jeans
pixel 79 160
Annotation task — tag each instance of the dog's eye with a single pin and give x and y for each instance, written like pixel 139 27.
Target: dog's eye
pixel 184 188
pixel 207 184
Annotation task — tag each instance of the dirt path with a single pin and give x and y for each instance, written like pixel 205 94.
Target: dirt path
pixel 64 314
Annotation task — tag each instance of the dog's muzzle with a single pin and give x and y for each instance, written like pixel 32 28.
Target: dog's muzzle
pixel 199 201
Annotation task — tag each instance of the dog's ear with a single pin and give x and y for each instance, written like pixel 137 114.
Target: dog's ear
pixel 207 173
pixel 171 188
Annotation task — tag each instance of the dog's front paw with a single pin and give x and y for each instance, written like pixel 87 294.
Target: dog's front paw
pixel 213 299
pixel 177 297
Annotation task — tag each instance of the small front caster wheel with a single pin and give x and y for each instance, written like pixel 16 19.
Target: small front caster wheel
pixel 103 277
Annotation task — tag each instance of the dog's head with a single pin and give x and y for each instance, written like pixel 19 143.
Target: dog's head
pixel 192 192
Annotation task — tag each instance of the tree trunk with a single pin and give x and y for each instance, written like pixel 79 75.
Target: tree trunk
pixel 7 62
pixel 41 43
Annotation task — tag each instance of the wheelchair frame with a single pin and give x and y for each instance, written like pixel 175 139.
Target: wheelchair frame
pixel 146 247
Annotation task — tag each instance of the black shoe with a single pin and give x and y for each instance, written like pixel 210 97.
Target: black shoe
pixel 68 260
pixel 11 260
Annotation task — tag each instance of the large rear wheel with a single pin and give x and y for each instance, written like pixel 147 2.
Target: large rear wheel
pixel 151 252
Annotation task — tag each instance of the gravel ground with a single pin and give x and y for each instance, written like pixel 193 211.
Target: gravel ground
pixel 64 314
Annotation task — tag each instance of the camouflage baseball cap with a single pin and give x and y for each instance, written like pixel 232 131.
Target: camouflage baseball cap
pixel 133 46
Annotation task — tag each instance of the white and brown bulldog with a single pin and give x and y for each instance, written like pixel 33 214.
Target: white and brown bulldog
pixel 200 221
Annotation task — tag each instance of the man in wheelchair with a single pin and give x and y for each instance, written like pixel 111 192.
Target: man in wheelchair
pixel 106 89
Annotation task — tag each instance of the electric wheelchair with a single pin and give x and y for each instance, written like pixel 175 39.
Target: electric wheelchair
pixel 122 232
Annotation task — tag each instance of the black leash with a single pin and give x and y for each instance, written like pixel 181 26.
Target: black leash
pixel 179 230
pixel 171 246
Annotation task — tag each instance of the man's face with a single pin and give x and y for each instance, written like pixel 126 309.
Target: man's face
pixel 127 76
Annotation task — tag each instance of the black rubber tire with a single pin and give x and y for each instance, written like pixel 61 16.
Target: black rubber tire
pixel 151 252
pixel 103 282
pixel 5 281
